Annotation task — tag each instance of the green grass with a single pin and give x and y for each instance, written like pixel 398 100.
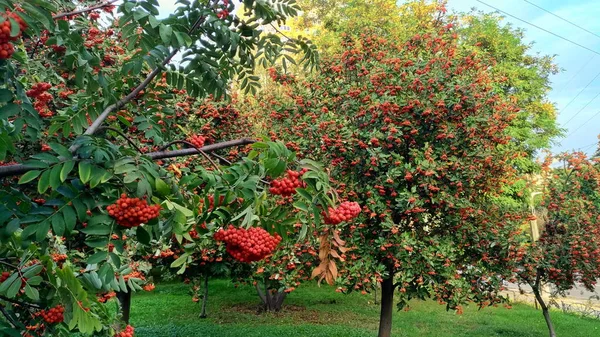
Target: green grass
pixel 311 311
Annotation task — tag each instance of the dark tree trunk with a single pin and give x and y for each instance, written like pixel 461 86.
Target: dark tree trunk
pixel 204 297
pixel 387 306
pixel 545 311
pixel 271 301
pixel 125 300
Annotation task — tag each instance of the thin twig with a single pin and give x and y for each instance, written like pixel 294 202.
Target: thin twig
pixel 8 317
pixel 84 10
pixel 129 140
pixel 21 303
pixel 199 150
pixel 120 103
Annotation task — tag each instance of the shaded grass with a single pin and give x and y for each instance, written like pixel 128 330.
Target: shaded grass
pixel 311 311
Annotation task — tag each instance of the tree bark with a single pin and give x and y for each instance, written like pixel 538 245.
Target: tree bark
pixel 125 300
pixel 387 306
pixel 270 302
pixel 204 297
pixel 545 311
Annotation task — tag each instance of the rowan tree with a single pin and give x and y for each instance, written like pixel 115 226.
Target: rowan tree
pixel 416 134
pixel 568 250
pixel 86 133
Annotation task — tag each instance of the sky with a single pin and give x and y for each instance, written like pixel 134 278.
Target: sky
pixel 576 89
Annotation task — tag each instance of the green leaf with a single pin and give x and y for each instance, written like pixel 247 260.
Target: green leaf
pixel 180 261
pixel 62 150
pixel 142 235
pixel 29 176
pixel 162 188
pixel 44 182
pixel 66 169
pixel 14 288
pixel 70 218
pixel 165 33
pixel 58 225
pixel 85 171
pixel 304 193
pixel 5 95
pixel 96 258
pixel 97 230
pixel 6 284
pixel 31 271
pixel 55 176
pixel 32 293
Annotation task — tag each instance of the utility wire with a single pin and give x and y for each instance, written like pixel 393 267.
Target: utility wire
pixel 582 125
pixel 538 27
pixel 575 75
pixel 587 146
pixel 580 110
pixel 565 20
pixel 579 93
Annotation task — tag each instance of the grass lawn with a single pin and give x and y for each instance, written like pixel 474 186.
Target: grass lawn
pixel 311 311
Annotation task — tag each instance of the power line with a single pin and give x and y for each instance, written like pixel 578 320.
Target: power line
pixel 579 93
pixel 582 125
pixel 574 76
pixel 580 110
pixel 587 146
pixel 565 20
pixel 538 27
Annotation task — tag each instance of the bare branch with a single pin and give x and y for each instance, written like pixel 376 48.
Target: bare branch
pixel 8 317
pixel 84 10
pixel 21 303
pixel 131 142
pixel 14 170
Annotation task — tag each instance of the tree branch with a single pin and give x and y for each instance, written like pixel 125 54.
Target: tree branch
pixel 197 149
pixel 14 170
pixel 8 317
pixel 131 142
pixel 84 10
pixel 24 304
pixel 120 103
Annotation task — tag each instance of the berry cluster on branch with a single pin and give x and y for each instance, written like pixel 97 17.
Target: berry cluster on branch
pixel 286 186
pixel 7 33
pixel 127 332
pixel 132 212
pixel 53 315
pixel 248 245
pixel 346 211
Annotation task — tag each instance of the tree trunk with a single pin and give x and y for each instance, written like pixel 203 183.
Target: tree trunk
pixel 387 306
pixel 545 311
pixel 205 296
pixel 271 301
pixel 125 300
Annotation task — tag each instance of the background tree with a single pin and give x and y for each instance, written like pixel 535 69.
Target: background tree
pixel 568 250
pixel 415 132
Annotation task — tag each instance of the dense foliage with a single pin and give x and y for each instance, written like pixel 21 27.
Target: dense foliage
pixel 415 132
pixel 91 110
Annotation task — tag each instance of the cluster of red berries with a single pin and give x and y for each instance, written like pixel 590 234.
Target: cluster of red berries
pixel 4 276
pixel 127 332
pixel 6 48
pixel 346 211
pixel 197 140
pixel 39 92
pixel 53 315
pixel 102 298
pixel 287 186
pixel 248 245
pixel 132 212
